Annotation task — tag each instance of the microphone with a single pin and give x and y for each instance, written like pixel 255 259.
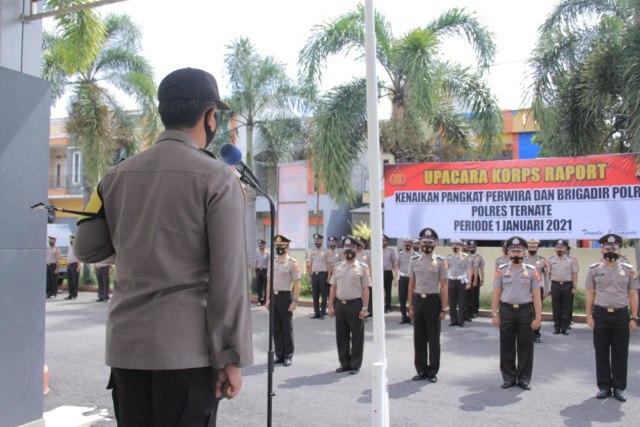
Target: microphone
pixel 232 156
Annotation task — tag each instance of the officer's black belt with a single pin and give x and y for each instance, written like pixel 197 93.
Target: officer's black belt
pixel 425 296
pixel 281 292
pixel 318 272
pixel 261 269
pixel 51 263
pixel 350 301
pixel 516 306
pixel 610 310
pixel 555 282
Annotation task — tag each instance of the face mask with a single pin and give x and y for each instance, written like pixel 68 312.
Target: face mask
pixel 416 248
pixel 332 246
pixel 611 256
pixel 532 253
pixel 384 244
pixel 318 245
pixel 407 248
pixel 51 244
pixel 281 251
pixel 208 132
pixel 559 253
pixel 516 259
pixel 427 249
pixel 473 251
pixel 456 249
pixel 349 254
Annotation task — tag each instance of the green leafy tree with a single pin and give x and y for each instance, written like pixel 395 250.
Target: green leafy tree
pixel 586 78
pixel 92 58
pixel 433 100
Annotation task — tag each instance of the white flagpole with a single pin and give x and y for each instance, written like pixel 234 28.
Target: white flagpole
pixel 380 401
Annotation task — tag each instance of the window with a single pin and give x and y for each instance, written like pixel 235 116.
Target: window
pixel 75 168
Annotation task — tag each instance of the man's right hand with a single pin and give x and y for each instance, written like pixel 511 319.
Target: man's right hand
pixel 411 313
pixel 231 375
pixel 590 322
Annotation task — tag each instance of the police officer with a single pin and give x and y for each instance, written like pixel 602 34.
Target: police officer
pixel 402 266
pixel 318 268
pixel 611 292
pixel 563 272
pixel 504 258
pixel 364 256
pixel 477 279
pixel 389 259
pixel 427 305
pixel 348 300
pixel 517 309
pixel 263 257
pixel 73 271
pixel 459 278
pixel 540 263
pixel 53 264
pixel 334 253
pixel 286 290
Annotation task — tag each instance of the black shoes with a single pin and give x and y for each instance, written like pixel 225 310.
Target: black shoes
pixel 432 379
pixel 537 340
pixel 279 360
pixel 524 385
pixel 260 303
pixel 341 370
pixel 603 394
pixel 507 384
pixel 556 331
pixel 453 324
pixel 102 300
pixel 565 332
pixel 287 361
pixel 354 371
pixel 420 376
pixel 405 321
pixel 70 298
pixel 316 316
pixel 619 395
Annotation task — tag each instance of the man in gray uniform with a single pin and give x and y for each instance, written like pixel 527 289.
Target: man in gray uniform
pixel 286 290
pixel 477 279
pixel 179 324
pixel 53 264
pixel 563 272
pixel 459 275
pixel 611 293
pixel 73 271
pixel 103 274
pixel 261 265
pixel 427 305
pixel 318 268
pixel 540 263
pixel 389 259
pixel 402 267
pixel 516 309
pixel 348 303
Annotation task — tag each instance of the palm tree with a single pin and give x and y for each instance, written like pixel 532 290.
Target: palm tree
pixel 97 121
pixel 586 78
pixel 428 95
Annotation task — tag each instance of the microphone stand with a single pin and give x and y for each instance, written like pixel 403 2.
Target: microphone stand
pixel 271 354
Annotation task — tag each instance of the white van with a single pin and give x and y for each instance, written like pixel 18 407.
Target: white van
pixel 61 232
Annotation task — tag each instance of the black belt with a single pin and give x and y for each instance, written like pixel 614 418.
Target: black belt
pixel 561 283
pixel 261 269
pixel 52 263
pixel 349 301
pixel 281 292
pixel 425 296
pixel 610 310
pixel 516 306
pixel 318 272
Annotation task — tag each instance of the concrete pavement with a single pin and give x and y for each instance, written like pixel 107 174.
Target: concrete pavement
pixel 310 393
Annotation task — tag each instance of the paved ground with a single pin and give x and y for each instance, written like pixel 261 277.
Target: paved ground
pixel 310 393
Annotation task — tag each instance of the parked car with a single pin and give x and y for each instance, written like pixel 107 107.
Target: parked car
pixel 61 232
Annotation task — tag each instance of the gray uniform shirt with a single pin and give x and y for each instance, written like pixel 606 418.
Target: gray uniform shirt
pixel 350 279
pixel 262 259
pixel 174 217
pixel 403 262
pixel 458 265
pixel 427 271
pixel 560 269
pixel 53 255
pixel 389 258
pixel 611 286
pixel 334 256
pixel 364 257
pixel 517 283
pixel 319 260
pixel 71 255
pixel 540 263
pixel 502 260
pixel 285 272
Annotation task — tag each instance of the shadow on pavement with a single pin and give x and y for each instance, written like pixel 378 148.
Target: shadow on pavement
pixel 490 396
pixel 318 379
pixel 607 411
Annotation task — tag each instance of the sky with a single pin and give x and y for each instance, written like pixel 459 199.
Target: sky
pixel 195 33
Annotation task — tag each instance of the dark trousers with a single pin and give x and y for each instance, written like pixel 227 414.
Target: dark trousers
pixel 167 398
pixel 261 283
pixel 516 339
pixel 536 333
pixel 476 296
pixel 102 274
pixel 318 289
pixel 457 301
pixel 388 284
pixel 403 292
pixel 73 277
pixel 52 280
pixel 611 344
pixel 561 301
pixel 282 324
pixel 469 296
pixel 426 333
pixel 349 333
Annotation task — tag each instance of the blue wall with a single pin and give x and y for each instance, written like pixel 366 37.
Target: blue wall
pixel 527 149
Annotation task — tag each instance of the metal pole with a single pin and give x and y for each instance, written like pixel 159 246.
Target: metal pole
pixel 380 402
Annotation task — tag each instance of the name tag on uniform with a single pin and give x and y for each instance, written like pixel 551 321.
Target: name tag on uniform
pixel 525 274
pixel 622 272
pixel 434 263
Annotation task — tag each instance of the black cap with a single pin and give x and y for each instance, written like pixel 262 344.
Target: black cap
pixel 516 243
pixel 190 83
pixel 361 241
pixel 428 234
pixel 471 243
pixel 610 239
pixel 261 242
pixel 333 239
pixel 349 242
pixel 281 239
pixel 317 236
pixel 385 237
pixel 562 243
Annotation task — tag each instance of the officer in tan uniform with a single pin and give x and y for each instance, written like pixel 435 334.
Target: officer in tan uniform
pixel 563 273
pixel 53 264
pixel 540 263
pixel 334 253
pixel 459 279
pixel 179 323
pixel 516 309
pixel 318 268
pixel 612 309
pixel 348 300
pixel 504 258
pixel 427 305
pixel 477 279
pixel 402 266
pixel 286 290
pixel 364 257
pixel 389 258
pixel 263 256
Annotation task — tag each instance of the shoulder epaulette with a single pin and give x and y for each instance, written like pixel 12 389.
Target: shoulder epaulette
pixel 416 256
pixel 208 153
pixel 532 267
pixel 440 258
pixel 292 259
pixel 595 264
pixel 501 266
pixel 626 264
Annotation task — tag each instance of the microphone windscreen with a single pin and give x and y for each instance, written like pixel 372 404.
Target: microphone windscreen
pixel 230 154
